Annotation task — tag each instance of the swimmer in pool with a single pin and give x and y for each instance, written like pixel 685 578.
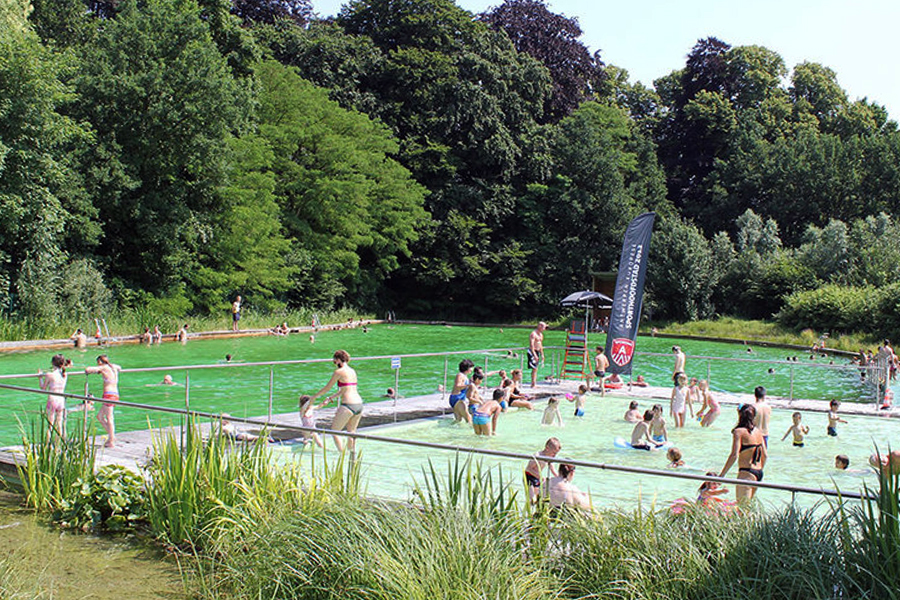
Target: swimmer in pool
pixel 551 413
pixel 675 458
pixel 484 419
pixel 579 400
pixel 833 418
pixel 658 427
pixel 797 429
pixel 458 393
pixel 640 435
pixel 633 415
pixel 535 467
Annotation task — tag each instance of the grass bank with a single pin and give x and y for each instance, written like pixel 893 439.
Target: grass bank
pixel 763 331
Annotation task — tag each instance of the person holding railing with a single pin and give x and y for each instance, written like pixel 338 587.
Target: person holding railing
pixel 349 411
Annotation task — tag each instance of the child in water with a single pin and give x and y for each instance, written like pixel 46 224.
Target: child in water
pixel 833 418
pixel 674 455
pixel 709 490
pixel 579 399
pixel 841 462
pixel 640 435
pixel 633 414
pixel 797 429
pixel 658 427
pixel 535 467
pixel 551 413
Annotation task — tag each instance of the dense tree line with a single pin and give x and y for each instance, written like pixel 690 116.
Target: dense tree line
pixel 415 157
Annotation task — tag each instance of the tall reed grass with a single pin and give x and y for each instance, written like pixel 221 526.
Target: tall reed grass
pixel 54 463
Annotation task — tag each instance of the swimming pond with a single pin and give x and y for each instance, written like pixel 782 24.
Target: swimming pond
pixel 392 470
pixel 244 390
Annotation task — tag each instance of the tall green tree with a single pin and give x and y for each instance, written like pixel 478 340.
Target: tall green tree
pixel 351 209
pixel 163 102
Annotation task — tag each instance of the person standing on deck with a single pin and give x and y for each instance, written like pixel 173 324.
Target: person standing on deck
pixel 235 313
pixel 536 351
pixel 680 359
pixel 763 413
pixel 601 363
pixel 110 374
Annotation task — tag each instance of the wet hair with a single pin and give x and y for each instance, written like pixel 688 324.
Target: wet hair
pixel 843 459
pixel 708 484
pixel 553 443
pixel 514 372
pixel 834 403
pixel 675 348
pixel 677 377
pixel 465 365
pixel 582 389
pixel 103 359
pixel 759 392
pixel 499 394
pixel 746 414
pixel 632 405
pixel 553 401
pixel 506 382
pixel 228 357
pixel 796 415
pixel 656 407
pixel 566 469
pixel 341 355
pixel 648 415
pixel 674 454
pixel 478 374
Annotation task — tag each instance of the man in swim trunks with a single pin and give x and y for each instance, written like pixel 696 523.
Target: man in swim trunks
pixel 535 467
pixel 680 360
pixel 235 313
pixel 601 363
pixel 763 413
pixel 110 374
pixel 536 351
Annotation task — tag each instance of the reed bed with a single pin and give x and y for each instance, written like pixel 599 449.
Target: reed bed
pixel 251 529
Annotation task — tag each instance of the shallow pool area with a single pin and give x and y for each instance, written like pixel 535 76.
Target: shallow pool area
pixel 248 391
pixel 393 470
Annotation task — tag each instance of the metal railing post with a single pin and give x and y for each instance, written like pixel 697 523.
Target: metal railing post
pixel 271 388
pixel 396 391
pixel 444 390
pixel 791 391
pixel 187 406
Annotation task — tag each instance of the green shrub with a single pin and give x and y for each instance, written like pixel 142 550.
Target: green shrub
pixel 832 308
pixel 111 499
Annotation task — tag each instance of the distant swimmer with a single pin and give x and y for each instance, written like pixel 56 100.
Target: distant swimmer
pixel 146 337
pixel 182 335
pixel 79 339
pixel 167 380
pixel 157 335
pixel 680 360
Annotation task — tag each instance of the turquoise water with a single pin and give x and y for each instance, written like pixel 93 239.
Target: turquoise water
pixel 244 391
pixel 391 469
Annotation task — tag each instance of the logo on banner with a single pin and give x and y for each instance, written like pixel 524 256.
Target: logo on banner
pixel 622 351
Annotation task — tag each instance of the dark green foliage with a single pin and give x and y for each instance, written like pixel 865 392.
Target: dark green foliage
pixel 111 499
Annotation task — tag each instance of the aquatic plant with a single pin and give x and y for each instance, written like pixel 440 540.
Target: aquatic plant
pixel 112 499
pixel 54 463
pixel 467 486
pixel 871 536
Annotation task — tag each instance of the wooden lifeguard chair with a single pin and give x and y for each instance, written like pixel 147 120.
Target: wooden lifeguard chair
pixel 575 361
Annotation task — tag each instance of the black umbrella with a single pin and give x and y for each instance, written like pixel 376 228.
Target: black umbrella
pixel 587 299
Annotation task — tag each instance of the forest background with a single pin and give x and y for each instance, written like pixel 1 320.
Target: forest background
pixel 163 156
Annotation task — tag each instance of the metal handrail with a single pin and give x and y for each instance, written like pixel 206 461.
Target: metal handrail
pixel 793 489
pixel 283 362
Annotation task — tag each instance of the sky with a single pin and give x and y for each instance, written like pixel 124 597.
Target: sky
pixel 858 39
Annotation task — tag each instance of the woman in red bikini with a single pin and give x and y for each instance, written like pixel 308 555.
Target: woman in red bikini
pixel 349 411
pixel 110 374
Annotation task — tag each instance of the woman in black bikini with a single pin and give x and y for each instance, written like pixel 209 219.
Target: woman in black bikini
pixel 749 450
pixel 350 410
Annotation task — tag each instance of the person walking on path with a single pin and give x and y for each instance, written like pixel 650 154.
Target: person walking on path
pixel 536 351
pixel 235 313
pixel 110 374
pixel 349 411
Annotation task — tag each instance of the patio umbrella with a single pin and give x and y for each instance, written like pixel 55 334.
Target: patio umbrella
pixel 587 299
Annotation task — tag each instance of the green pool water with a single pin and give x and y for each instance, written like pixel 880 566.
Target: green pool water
pixel 392 470
pixel 244 391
